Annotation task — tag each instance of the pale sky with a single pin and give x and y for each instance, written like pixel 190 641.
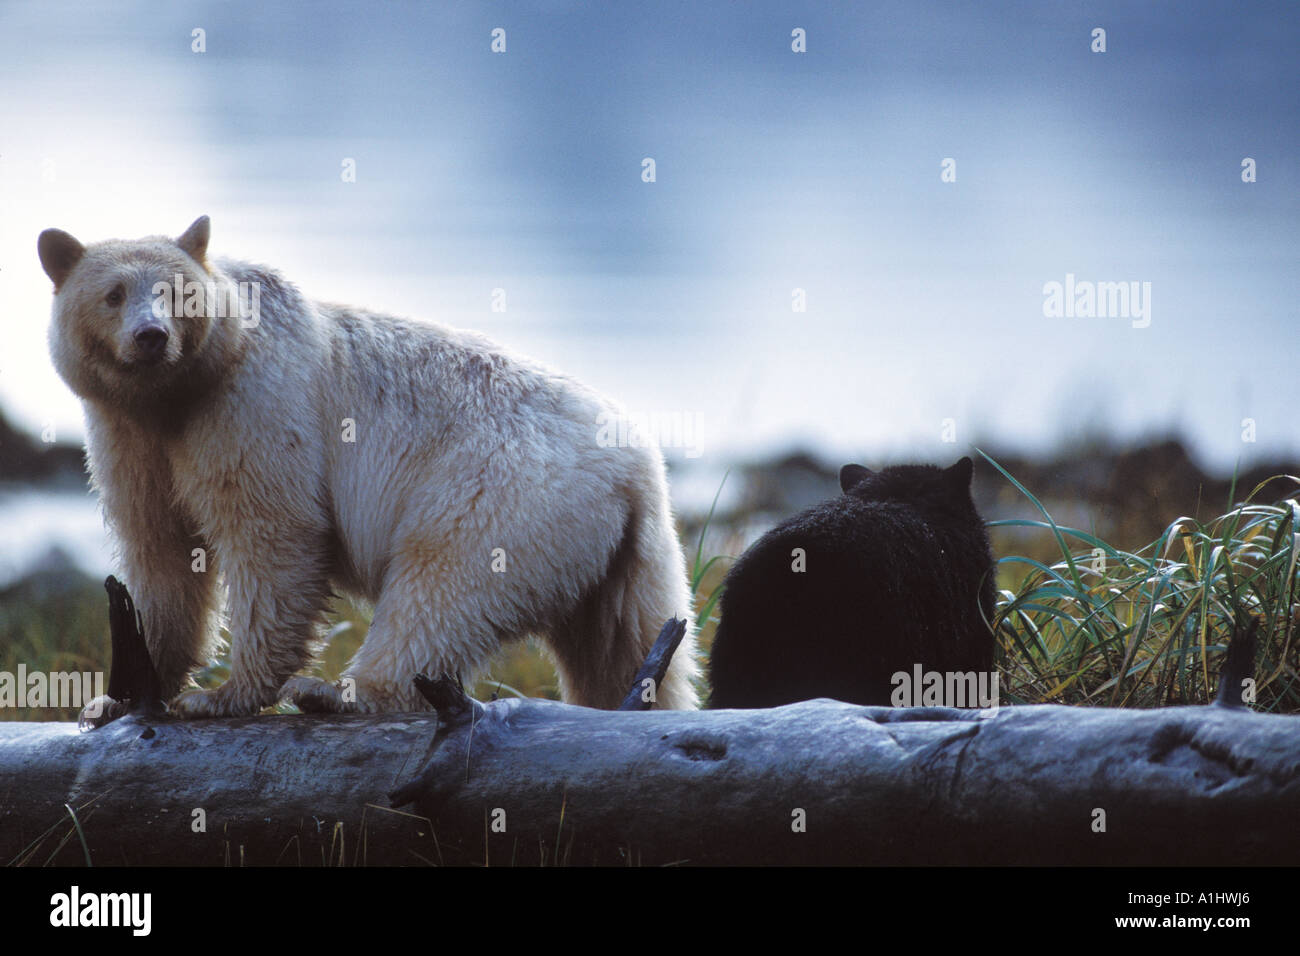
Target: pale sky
pixel 775 170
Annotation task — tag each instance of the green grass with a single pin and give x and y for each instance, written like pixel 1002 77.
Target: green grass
pixel 1145 628
pixel 706 579
pixel 53 629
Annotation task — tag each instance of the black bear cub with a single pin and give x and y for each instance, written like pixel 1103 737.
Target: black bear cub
pixel 894 572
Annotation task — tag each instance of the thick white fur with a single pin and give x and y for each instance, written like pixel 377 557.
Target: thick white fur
pixel 233 442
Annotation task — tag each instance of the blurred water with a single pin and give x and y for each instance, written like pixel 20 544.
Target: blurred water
pixel 33 522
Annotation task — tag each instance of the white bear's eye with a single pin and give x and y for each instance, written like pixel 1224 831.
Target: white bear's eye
pixel 116 296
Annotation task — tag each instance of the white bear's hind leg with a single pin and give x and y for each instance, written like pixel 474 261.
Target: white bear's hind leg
pixel 602 645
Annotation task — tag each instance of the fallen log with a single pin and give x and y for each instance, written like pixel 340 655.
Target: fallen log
pixel 529 781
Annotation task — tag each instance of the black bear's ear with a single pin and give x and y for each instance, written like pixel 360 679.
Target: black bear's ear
pixel 850 475
pixel 195 239
pixel 59 252
pixel 959 475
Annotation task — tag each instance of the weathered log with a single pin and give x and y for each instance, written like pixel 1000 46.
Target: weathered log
pixel 525 781
pixel 270 790
pixel 536 781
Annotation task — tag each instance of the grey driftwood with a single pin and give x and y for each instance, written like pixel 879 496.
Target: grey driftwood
pixel 529 781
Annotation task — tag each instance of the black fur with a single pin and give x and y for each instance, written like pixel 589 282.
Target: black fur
pixel 898 572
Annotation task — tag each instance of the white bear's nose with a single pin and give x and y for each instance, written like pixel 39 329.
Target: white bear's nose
pixel 151 340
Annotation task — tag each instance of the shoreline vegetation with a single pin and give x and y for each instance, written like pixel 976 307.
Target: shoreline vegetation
pixel 1123 571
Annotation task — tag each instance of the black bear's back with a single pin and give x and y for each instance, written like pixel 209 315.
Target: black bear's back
pixel 886 585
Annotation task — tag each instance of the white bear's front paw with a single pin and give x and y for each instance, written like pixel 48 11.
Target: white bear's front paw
pixel 100 711
pixel 225 701
pixel 347 695
pixel 312 695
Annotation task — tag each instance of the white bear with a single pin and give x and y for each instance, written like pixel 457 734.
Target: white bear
pixel 234 425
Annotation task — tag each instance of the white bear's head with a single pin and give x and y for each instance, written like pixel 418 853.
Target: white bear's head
pixel 132 318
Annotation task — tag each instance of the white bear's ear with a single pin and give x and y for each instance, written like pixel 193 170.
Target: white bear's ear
pixel 850 475
pixel 59 252
pixel 195 239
